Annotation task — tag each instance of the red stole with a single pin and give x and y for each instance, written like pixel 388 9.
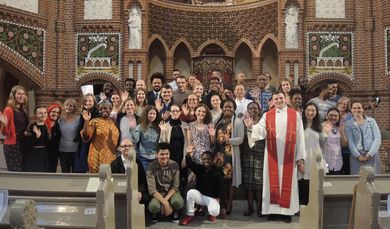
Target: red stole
pixel 282 198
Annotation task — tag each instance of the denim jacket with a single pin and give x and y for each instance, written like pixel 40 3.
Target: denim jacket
pixel 371 137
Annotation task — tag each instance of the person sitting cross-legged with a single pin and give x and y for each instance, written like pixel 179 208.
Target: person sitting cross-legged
pixel 163 176
pixel 209 189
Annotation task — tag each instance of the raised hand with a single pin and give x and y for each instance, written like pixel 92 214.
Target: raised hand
pixel 124 95
pixel 166 115
pixel 86 115
pixel 248 123
pixel 184 109
pixel 133 123
pixel 102 96
pixel 3 118
pixel 37 131
pixel 162 125
pixel 158 104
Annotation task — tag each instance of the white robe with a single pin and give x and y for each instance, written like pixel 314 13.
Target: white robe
pixel 259 132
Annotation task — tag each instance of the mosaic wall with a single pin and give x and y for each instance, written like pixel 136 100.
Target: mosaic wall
pixel 387 47
pixel 329 52
pixel 27 42
pixel 98 52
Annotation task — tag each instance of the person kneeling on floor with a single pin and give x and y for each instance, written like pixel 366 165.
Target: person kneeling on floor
pixel 209 189
pixel 163 177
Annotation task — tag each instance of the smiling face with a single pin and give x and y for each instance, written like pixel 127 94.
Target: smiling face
pixel 215 102
pixel 192 101
pixel 140 85
pixel 200 113
pixel 198 90
pixel 41 114
pixel 175 112
pixel 207 160
pixel 342 105
pixel 129 85
pixel 239 91
pixel 152 114
pixel 228 109
pixel 89 102
pixel 20 96
pixel 105 110
pixel 333 116
pixel 55 113
pixel 262 81
pixel 310 112
pixel 278 100
pixel 181 84
pixel 296 100
pixel 357 110
pixel 192 80
pixel 166 94
pixel 116 100
pixel 156 84
pixel 254 110
pixel 141 96
pixel 286 86
pixel 129 107
pixel 69 107
pixel 163 157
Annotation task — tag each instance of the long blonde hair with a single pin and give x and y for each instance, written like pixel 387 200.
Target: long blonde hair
pixel 12 100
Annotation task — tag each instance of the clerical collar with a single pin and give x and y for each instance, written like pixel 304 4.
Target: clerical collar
pixel 281 110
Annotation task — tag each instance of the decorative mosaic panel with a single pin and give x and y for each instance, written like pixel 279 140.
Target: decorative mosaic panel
pixel 98 52
pixel 329 52
pixel 387 45
pixel 27 42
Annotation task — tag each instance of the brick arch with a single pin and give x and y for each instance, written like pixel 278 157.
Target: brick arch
pixel 265 38
pixel 293 2
pixel 344 81
pixel 159 38
pixel 81 80
pixel 186 43
pixel 19 63
pixel 132 2
pixel 213 41
pixel 247 42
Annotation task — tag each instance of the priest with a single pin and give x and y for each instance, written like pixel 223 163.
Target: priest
pixel 283 157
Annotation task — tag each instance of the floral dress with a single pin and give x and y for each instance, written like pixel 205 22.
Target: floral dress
pixel 201 141
pixel 223 149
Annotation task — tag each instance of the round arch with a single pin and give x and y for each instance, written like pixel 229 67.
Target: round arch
pixel 216 42
pixel 15 61
pixel 83 79
pixel 345 82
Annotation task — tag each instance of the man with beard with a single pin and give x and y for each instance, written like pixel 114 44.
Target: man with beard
pixel 214 89
pixel 157 80
pixel 175 75
pixel 181 93
pixel 140 85
pixel 303 83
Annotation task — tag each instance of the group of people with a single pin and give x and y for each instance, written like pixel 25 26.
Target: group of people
pixel 196 144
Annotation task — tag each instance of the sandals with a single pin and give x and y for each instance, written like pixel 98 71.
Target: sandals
pixel 248 212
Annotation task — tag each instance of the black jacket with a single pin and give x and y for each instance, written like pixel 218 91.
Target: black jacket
pixel 208 183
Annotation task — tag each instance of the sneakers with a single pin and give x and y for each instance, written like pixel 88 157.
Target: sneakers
pixel 211 219
pixel 187 219
pixel 175 217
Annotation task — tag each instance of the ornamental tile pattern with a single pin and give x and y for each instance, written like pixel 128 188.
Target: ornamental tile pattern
pixel 197 27
pixel 329 52
pixel 27 42
pixel 98 52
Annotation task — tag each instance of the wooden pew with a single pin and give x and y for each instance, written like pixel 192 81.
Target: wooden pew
pixel 311 215
pixel 73 212
pixel 332 201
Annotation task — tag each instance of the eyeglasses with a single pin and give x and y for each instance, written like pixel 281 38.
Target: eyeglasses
pixel 175 111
